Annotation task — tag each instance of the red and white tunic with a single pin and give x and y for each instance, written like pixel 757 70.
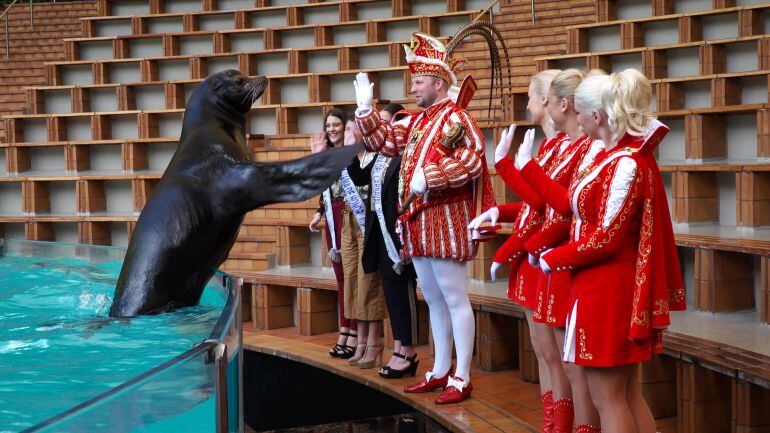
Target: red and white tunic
pixel 616 311
pixel 552 293
pixel 526 216
pixel 459 188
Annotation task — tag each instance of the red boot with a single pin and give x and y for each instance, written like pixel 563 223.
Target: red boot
pixel 587 428
pixel 547 400
pixel 563 415
pixel 456 391
pixel 429 383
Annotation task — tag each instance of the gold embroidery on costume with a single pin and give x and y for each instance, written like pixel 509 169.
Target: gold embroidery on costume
pixel 549 312
pixel 593 242
pixel 584 354
pixel 645 233
pixel 536 313
pixel 520 289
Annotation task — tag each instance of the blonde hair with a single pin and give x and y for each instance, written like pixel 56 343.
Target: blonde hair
pixel 564 84
pixel 624 96
pixel 541 82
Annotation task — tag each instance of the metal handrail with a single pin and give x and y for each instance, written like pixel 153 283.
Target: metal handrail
pixel 5 16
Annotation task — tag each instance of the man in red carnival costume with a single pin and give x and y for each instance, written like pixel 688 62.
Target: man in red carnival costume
pixel 445 173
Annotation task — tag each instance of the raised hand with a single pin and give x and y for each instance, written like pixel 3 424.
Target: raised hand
pixel 364 91
pixel 318 142
pixel 504 146
pixel 524 154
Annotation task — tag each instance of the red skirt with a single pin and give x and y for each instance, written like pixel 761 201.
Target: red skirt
pixel 522 289
pixel 553 295
pixel 600 315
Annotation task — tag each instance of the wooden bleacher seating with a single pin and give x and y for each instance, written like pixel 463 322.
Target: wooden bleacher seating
pixel 85 149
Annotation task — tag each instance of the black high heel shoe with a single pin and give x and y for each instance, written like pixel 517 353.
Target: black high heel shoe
pixel 343 350
pixel 391 373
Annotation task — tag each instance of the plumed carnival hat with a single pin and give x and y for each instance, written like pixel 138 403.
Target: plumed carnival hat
pixel 427 56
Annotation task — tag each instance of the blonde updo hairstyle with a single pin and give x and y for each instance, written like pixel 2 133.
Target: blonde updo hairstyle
pixel 541 82
pixel 624 97
pixel 564 84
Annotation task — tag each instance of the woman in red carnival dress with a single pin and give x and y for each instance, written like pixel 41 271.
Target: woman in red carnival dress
pixel 622 257
pixel 527 217
pixel 552 293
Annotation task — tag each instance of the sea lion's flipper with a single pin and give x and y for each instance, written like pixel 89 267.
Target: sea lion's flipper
pixel 300 179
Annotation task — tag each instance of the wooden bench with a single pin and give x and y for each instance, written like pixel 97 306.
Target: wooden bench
pixel 218 41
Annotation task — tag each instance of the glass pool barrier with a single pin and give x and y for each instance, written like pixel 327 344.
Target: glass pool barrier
pixel 199 390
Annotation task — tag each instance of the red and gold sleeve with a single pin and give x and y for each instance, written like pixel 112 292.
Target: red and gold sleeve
pixel 508 212
pixel 548 237
pixel 517 184
pixel 381 136
pixel 464 163
pixel 512 249
pixel 623 200
pixel 554 193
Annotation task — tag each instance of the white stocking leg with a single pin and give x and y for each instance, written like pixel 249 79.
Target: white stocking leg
pixel 440 321
pixel 451 275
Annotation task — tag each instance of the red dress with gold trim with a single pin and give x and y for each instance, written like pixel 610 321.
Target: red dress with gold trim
pixel 459 188
pixel 619 304
pixel 552 293
pixel 526 217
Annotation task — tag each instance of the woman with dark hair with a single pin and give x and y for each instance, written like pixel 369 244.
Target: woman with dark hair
pixel 390 110
pixel 383 252
pixel 331 205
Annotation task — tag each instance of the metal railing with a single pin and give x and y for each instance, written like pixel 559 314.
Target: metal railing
pixel 4 15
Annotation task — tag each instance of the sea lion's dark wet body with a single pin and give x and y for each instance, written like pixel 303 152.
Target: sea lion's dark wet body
pixel 192 220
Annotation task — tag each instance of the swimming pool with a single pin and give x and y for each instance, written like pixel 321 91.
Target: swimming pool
pixel 67 367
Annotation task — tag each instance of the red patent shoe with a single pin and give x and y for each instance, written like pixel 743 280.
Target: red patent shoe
pixel 456 391
pixel 587 428
pixel 429 383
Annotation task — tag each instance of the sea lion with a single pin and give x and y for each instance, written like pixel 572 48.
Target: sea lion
pixel 188 226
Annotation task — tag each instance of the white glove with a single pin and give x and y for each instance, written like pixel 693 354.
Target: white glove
pixel 534 261
pixel 493 269
pixel 524 154
pixel 504 146
pixel 544 266
pixel 364 91
pixel 419 184
pixel 491 215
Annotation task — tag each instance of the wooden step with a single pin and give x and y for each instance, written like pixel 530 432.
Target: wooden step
pixel 237 262
pixel 254 244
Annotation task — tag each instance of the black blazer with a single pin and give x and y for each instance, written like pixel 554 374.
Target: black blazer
pixel 375 255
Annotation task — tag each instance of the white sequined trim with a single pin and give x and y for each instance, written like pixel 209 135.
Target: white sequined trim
pixel 625 172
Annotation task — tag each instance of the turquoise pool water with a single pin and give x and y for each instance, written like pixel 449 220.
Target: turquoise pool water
pixel 58 348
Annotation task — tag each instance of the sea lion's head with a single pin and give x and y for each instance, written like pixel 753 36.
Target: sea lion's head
pixel 235 90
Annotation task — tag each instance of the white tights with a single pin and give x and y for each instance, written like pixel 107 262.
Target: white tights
pixel 442 282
